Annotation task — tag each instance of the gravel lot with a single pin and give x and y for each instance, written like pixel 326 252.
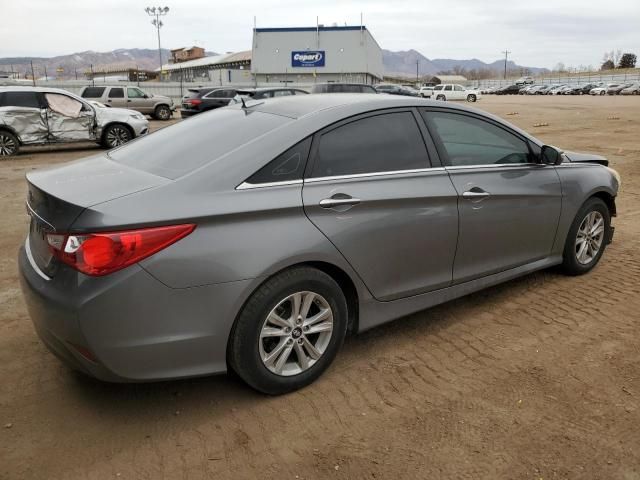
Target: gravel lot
pixel 537 378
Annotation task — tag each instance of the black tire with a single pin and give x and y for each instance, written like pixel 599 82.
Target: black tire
pixel 471 98
pixel 570 263
pixel 243 354
pixel 602 92
pixel 162 112
pixel 441 98
pixel 9 144
pixel 115 135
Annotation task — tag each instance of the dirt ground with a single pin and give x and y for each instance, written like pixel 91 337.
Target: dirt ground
pixel 535 379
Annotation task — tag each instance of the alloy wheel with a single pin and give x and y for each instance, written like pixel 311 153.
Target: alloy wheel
pixel 117 136
pixel 296 333
pixel 8 145
pixel 590 237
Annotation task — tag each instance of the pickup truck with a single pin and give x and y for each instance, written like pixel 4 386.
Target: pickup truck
pixel 132 98
pixel 449 91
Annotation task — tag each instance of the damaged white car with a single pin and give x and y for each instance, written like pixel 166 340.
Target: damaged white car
pixel 40 116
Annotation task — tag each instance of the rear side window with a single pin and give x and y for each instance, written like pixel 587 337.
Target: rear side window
pixel 116 93
pixel 471 141
pixel 381 143
pixel 286 167
pixel 20 99
pixel 93 92
pixel 282 93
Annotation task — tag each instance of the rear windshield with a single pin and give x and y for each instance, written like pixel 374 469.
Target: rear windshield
pixel 174 151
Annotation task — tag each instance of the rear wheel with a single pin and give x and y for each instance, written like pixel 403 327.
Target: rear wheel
pixel 116 135
pixel 9 144
pixel 162 112
pixel 471 98
pixel 289 331
pixel 587 238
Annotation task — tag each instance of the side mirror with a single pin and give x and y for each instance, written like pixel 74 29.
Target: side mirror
pixel 146 95
pixel 550 155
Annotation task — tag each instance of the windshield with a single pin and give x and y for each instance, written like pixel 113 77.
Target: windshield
pixel 186 146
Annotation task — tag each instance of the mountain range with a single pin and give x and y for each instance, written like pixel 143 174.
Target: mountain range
pixel 402 63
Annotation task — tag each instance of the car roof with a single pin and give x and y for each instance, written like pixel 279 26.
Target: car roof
pixel 33 89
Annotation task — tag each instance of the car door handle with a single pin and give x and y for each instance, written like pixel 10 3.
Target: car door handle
pixel 336 202
pixel 475 194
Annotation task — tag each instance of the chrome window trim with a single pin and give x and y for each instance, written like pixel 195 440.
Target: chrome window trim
pixel 27 249
pixel 284 183
pixel 493 165
pixel 373 174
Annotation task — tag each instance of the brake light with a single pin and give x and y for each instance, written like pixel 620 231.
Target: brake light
pixel 194 101
pixel 102 253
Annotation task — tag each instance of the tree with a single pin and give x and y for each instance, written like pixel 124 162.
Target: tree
pixel 628 60
pixel 616 58
pixel 559 67
pixel 608 65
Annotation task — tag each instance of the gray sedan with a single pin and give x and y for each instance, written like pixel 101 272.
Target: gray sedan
pixel 255 237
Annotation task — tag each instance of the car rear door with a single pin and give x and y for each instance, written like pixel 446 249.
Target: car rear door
pixel 371 190
pixel 25 114
pixel 116 97
pixel 509 204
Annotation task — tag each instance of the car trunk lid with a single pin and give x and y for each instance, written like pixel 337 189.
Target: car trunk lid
pixel 58 196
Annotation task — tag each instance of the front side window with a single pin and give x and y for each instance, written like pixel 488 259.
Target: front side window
pixel 381 143
pixel 281 93
pixel 438 87
pixel 135 93
pixel 286 167
pixel 469 141
pixel 447 88
pixel 20 99
pixel 116 93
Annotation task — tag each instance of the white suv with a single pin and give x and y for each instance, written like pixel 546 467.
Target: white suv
pixel 449 91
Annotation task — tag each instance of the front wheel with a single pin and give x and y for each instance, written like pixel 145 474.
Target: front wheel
pixel 9 144
pixel 441 98
pixel 289 331
pixel 116 135
pixel 603 92
pixel 162 112
pixel 471 98
pixel 587 238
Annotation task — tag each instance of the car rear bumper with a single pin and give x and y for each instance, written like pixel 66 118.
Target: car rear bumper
pixel 188 113
pixel 128 326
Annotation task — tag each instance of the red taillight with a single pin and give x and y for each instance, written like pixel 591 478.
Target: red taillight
pixel 103 253
pixel 194 101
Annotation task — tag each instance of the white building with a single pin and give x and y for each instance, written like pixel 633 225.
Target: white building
pixel 315 54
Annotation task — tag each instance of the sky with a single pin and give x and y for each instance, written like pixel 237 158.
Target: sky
pixel 539 33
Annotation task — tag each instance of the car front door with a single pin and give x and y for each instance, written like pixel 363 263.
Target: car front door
pixel 68 119
pixel 371 190
pixel 116 97
pixel 458 92
pixel 137 100
pixel 509 203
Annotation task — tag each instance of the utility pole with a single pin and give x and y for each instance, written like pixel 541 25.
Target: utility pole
pixel 417 70
pixel 33 75
pixel 156 22
pixel 45 74
pixel 506 55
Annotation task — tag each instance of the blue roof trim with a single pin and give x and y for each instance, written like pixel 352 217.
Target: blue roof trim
pixel 309 29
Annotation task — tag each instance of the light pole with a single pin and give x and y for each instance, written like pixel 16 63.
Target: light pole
pixel 506 55
pixel 157 12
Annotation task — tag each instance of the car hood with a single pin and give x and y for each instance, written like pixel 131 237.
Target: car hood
pixel 576 157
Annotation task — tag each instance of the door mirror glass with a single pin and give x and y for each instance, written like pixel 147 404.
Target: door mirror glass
pixel 550 155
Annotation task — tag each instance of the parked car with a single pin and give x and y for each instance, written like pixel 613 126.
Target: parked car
pixel 199 100
pixel 555 89
pixel 426 91
pixel 524 90
pixel 524 81
pixel 633 89
pixel 584 89
pixel 41 116
pixel 602 90
pixel 227 241
pixel 396 90
pixel 616 89
pixel 342 88
pixel 451 91
pixel 539 90
pixel 508 90
pixel 269 92
pixel 132 98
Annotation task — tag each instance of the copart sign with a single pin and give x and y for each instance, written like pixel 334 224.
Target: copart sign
pixel 307 59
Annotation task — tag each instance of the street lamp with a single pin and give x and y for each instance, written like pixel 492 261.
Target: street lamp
pixel 157 12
